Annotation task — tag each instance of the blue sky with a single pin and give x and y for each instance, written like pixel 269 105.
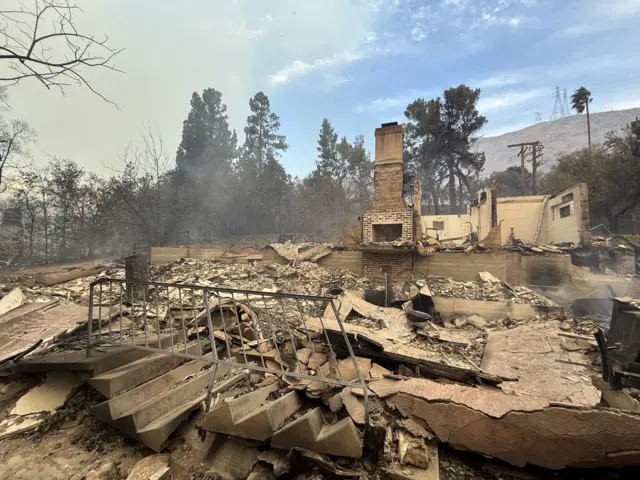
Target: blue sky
pixel 358 63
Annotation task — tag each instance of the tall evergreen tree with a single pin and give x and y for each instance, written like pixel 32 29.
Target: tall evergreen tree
pixel 262 138
pixel 206 137
pixel 330 163
pixel 265 184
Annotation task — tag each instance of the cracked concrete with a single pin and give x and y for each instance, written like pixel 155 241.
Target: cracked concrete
pixel 521 429
pixel 529 352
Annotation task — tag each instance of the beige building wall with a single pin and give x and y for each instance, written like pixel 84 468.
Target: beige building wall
pixel 537 219
pixel 523 214
pixel 566 216
pixel 455 226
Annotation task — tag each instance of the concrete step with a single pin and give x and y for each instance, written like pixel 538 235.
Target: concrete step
pixel 126 377
pixel 252 415
pixel 156 433
pixel 99 362
pixel 310 433
pixel 77 361
pixel 118 406
pixel 160 407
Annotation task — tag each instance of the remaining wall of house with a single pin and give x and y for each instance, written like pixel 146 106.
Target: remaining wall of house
pixel 510 267
pixel 538 219
pixel 523 214
pixel 566 216
pixel 454 226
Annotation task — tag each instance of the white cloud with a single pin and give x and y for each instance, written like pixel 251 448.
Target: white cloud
pixel 335 80
pixel 298 68
pixel 390 103
pixel 507 100
pixel 418 34
pixel 498 81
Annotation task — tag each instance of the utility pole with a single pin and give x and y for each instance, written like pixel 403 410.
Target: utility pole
pixel 524 146
pixel 535 162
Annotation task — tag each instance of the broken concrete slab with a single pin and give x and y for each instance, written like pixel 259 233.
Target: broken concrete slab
pixel 25 326
pixel 299 252
pixel 530 352
pixel 231 459
pixel 153 467
pixel 521 429
pixel 428 457
pixel 488 277
pixel 55 278
pixel 615 398
pixel 11 300
pixel 354 406
pixel 49 396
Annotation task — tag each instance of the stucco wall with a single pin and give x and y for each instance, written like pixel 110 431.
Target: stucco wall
pixel 534 219
pixel 522 214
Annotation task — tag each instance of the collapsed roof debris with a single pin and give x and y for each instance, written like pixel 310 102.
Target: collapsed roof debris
pixel 433 376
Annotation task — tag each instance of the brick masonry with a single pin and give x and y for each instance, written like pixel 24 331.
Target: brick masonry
pixel 405 217
pixel 398 264
pixel 388 204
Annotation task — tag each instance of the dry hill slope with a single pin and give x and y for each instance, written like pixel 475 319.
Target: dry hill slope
pixel 558 136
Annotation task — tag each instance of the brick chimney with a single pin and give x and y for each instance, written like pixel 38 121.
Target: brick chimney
pixel 388 218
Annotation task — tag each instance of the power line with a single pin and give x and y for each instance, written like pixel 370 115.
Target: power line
pixel 538 117
pixel 558 106
pixel 565 102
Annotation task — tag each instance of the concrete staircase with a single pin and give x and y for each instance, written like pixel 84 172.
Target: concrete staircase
pixel 150 394
pixel 311 433
pixel 252 415
pixel 150 412
pixel 137 372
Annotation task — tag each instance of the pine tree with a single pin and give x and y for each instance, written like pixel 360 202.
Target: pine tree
pixel 206 138
pixel 330 163
pixel 266 187
pixel 262 140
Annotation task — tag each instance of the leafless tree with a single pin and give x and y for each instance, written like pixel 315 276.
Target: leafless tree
pixel 14 137
pixel 41 41
pixel 144 185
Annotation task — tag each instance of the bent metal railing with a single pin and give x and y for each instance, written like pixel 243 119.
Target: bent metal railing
pixel 278 333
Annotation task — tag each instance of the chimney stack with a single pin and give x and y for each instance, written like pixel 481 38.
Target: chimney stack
pixel 389 144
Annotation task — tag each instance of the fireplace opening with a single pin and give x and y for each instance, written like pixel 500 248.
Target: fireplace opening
pixel 387 232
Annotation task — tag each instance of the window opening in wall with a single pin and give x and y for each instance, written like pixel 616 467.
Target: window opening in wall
pixel 565 211
pixel 438 225
pixel 387 232
pixel 567 198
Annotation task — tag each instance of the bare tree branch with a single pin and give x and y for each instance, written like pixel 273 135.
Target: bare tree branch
pixel 29 34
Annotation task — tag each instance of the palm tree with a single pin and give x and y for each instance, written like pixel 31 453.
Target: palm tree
pixel 580 101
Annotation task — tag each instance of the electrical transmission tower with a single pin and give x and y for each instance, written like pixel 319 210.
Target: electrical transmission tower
pixel 558 106
pixel 538 117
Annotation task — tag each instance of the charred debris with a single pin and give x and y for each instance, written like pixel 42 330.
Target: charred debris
pixel 319 373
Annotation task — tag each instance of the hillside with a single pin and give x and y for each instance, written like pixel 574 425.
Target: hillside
pixel 557 136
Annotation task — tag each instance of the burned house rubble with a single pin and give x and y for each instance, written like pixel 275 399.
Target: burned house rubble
pixel 212 369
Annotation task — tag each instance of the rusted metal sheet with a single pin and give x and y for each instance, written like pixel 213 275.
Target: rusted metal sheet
pixel 29 324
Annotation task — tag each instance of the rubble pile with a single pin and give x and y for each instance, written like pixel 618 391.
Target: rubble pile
pixel 305 278
pixel 491 291
pixel 344 388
